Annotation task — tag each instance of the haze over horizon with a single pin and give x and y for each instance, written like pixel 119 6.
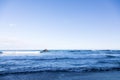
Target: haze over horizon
pixel 59 24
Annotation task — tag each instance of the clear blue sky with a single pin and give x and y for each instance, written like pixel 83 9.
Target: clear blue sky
pixel 60 24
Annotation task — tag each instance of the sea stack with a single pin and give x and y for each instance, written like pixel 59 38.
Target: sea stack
pixel 45 50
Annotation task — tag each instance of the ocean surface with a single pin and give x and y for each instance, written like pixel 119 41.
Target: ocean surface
pixel 59 60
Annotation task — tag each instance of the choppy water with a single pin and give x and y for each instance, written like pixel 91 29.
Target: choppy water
pixel 59 60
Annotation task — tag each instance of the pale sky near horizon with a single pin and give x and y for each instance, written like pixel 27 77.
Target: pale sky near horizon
pixel 60 24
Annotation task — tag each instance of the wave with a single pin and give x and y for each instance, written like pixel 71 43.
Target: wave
pixel 55 61
pixel 53 69
pixel 59 56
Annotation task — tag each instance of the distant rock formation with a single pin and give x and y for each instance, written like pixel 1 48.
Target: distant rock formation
pixel 45 50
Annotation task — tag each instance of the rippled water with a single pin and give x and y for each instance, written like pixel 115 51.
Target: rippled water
pixel 59 60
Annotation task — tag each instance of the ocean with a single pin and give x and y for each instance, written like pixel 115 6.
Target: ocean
pixel 59 61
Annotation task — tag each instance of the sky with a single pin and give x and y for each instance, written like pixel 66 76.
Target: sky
pixel 59 24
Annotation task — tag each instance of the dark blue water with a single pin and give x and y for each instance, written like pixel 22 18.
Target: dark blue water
pixel 59 60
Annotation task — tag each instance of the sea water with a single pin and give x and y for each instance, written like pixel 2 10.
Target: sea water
pixel 59 60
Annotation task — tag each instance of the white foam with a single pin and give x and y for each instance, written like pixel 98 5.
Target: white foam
pixel 20 53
